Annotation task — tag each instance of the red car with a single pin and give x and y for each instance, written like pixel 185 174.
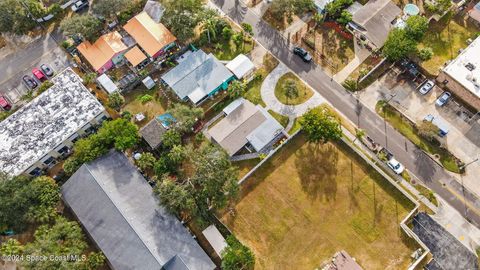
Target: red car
pixel 5 104
pixel 39 74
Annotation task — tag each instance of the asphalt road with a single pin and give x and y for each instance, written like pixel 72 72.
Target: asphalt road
pixel 420 164
pixel 15 65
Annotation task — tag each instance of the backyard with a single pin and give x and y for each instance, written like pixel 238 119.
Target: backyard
pixel 310 201
pixel 134 103
pixel 294 94
pixel 446 37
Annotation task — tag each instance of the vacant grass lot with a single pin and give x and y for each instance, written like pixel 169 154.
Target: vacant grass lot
pixel 395 119
pixel 446 37
pixel 310 201
pixel 302 94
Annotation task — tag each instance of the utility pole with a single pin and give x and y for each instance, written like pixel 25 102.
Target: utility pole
pixel 385 120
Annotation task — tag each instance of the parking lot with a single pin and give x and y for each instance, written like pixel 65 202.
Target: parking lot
pixel 21 61
pixel 463 138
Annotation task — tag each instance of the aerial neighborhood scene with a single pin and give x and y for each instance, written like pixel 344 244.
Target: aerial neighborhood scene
pixel 240 134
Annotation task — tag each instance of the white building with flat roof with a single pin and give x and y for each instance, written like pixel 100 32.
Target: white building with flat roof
pixel 465 69
pixel 39 133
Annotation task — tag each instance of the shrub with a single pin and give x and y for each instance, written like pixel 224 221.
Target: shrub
pixel 145 98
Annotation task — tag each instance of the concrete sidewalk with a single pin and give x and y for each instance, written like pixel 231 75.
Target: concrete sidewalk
pixel 360 55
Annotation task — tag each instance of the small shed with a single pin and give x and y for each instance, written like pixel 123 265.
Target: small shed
pixel 107 83
pixel 215 238
pixel 148 82
pixel 241 66
pixel 152 133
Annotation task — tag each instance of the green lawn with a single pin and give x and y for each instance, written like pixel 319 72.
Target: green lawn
pixel 408 130
pixel 244 166
pixel 446 37
pixel 303 91
pixel 253 87
pixel 150 109
pixel 227 49
pixel 309 201
pixel 283 120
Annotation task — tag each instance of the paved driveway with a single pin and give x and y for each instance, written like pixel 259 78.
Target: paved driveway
pixel 20 62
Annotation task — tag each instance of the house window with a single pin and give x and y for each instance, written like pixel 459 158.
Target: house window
pixel 63 150
pixel 75 138
pixel 49 161
pixel 35 172
pixel 90 130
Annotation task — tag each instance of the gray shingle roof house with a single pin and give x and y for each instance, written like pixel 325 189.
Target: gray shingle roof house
pixel 245 124
pixel 198 76
pixel 119 211
pixel 374 21
pixel 152 133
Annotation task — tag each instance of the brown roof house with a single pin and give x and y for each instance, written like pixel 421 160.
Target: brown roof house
pixel 154 38
pixel 245 125
pixel 135 56
pixel 462 75
pixel 372 22
pixel 105 52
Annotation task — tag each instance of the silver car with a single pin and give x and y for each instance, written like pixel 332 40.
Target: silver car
pixel 426 87
pixel 443 99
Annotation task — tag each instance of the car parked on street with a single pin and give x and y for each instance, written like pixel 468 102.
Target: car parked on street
pixel 426 87
pixel 39 74
pixel 443 99
pixel 46 70
pixel 79 5
pixel 306 57
pixel 29 82
pixel 5 104
pixel 395 166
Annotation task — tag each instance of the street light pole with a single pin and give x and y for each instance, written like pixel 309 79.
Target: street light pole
pixel 385 120
pixel 465 165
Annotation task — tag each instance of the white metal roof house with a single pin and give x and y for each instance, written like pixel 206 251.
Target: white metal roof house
pixel 245 124
pixel 197 77
pixel 241 66
pixel 43 130
pixel 130 227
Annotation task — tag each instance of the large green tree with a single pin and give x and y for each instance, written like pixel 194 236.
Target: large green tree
pixel 64 238
pixel 321 125
pixel 14 17
pixel 177 198
pixel 237 256
pixel 88 26
pixel 182 16
pixel 24 201
pixel 416 27
pixel 288 8
pixel 185 116
pixel 109 8
pixel 214 177
pixel 398 45
pixel 120 133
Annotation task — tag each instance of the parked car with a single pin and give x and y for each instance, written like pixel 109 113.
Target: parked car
pixel 79 5
pixel 426 87
pixel 39 74
pixel 30 82
pixel 46 70
pixel 395 166
pixel 443 99
pixel 4 104
pixel 306 57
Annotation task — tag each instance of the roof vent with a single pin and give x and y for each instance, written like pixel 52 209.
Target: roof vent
pixel 470 66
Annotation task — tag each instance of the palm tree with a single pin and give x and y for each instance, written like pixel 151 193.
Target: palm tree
pixel 209 24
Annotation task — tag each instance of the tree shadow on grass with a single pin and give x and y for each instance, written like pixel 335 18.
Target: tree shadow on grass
pixel 317 168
